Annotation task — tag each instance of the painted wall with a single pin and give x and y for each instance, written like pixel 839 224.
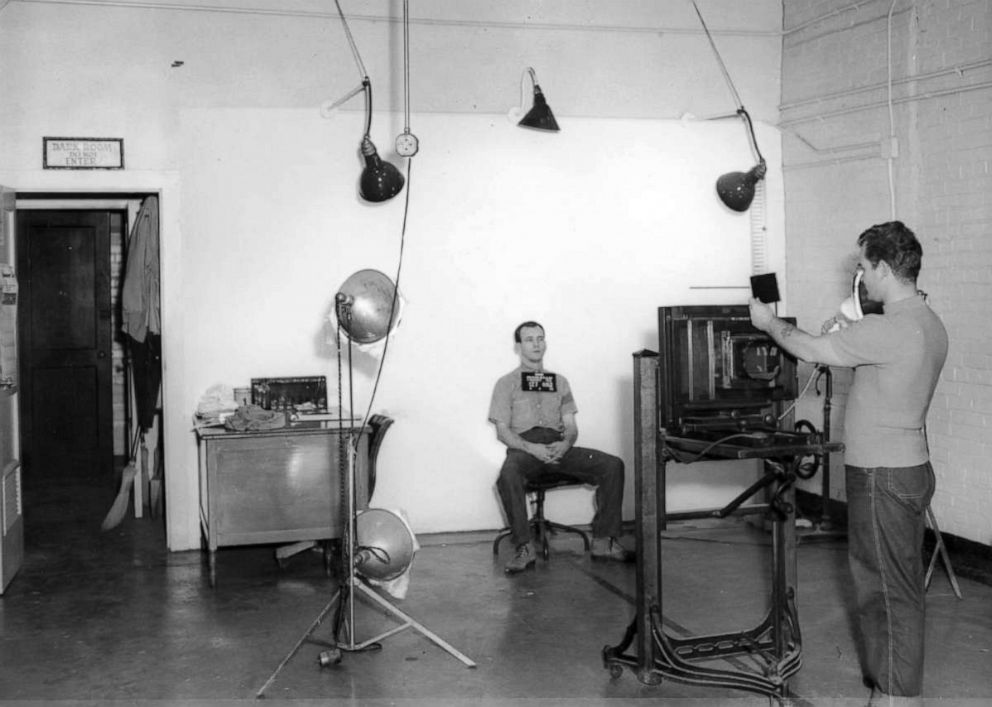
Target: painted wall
pixel 589 230
pixel 504 225
pixel 843 175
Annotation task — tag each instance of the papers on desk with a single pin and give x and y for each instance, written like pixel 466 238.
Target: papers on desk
pixel 200 421
pixel 334 414
pixel 219 418
pixel 214 407
pixel 218 404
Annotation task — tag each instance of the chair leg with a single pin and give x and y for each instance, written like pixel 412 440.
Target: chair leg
pixel 940 550
pixel 539 526
pixel 505 533
pixel 539 530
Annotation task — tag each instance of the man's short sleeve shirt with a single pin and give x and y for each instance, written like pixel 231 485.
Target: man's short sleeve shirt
pixel 897 359
pixel 522 409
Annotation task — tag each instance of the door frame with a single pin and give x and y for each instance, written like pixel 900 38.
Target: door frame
pixel 180 470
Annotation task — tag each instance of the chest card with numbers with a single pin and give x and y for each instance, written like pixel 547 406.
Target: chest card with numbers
pixel 538 382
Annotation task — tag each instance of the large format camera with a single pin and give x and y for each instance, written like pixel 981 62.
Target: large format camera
pixel 718 374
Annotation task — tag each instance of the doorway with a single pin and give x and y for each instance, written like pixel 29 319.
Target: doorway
pixel 74 398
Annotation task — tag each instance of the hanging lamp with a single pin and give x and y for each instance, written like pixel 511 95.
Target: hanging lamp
pixel 539 117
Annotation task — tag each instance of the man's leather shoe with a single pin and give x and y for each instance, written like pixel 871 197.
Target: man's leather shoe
pixel 610 549
pixel 523 559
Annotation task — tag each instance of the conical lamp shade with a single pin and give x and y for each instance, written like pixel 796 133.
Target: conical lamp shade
pixel 539 117
pixel 736 189
pixel 380 180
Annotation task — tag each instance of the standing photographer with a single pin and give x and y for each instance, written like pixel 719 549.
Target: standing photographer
pixel 897 357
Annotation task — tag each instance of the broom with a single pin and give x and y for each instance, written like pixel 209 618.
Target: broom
pixel 117 511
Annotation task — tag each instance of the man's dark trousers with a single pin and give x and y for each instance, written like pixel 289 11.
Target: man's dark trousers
pixel 587 466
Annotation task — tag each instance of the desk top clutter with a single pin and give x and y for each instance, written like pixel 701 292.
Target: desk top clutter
pixel 215 406
pixel 270 403
pixel 251 418
pixel 219 408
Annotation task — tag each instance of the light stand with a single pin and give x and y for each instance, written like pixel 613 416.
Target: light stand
pixel 365 309
pixel 344 598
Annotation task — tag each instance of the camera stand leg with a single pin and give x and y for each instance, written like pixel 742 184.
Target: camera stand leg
pixel 775 645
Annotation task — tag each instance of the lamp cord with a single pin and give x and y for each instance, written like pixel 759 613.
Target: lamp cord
pixel 892 121
pixel 533 82
pixel 723 67
pixel 730 83
pixel 406 66
pixel 406 207
pixel 750 129
pixel 686 459
pixel 396 291
pixel 351 41
pixel 367 86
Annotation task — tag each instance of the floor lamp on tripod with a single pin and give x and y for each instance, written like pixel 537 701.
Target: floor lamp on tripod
pixel 377 543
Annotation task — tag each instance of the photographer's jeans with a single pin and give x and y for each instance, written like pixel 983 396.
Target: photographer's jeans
pixel 886 516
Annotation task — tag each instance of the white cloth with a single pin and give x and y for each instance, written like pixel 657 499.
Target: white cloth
pixel 398 586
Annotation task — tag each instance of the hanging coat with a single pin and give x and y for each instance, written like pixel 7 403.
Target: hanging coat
pixel 141 316
pixel 140 295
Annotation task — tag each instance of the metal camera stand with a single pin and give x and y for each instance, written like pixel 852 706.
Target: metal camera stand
pixel 774 645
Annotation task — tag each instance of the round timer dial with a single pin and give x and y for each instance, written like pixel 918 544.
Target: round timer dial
pixel 407 144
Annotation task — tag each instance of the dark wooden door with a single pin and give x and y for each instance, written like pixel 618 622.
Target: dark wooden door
pixel 63 266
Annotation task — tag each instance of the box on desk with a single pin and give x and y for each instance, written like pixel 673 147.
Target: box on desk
pixel 305 394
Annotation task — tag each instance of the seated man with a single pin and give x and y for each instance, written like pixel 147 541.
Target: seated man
pixel 534 414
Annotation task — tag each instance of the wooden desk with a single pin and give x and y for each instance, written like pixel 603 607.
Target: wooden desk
pixel 275 486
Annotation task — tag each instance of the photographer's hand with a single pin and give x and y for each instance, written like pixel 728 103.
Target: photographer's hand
pixel 762 315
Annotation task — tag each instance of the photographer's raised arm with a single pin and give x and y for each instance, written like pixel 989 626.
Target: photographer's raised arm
pixel 799 343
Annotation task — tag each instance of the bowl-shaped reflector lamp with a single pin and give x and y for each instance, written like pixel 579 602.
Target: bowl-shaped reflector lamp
pixel 367 306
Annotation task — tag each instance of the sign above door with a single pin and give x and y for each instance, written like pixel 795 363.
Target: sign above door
pixel 83 153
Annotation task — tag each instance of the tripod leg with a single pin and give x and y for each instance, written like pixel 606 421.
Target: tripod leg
pixel 303 639
pixel 420 627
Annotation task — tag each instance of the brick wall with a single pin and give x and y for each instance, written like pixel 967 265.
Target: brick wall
pixel 835 117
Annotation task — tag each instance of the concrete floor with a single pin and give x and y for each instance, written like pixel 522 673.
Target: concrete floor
pixel 94 617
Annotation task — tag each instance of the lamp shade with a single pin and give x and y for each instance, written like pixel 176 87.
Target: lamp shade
pixel 380 180
pixel 736 189
pixel 367 306
pixel 385 545
pixel 539 117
